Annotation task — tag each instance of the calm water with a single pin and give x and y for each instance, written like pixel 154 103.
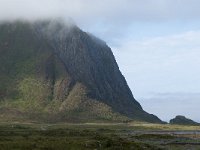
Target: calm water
pixel 168 132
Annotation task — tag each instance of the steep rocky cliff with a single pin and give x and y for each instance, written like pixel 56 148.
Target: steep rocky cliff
pixel 53 70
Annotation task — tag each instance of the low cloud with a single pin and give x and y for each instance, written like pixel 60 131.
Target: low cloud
pixel 120 11
pixel 108 19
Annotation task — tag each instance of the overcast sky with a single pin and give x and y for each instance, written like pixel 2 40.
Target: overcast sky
pixel 156 44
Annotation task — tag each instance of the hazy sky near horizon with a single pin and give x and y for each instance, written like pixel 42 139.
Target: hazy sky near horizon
pixel 156 44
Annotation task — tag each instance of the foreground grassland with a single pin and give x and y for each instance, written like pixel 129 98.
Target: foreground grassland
pixel 99 136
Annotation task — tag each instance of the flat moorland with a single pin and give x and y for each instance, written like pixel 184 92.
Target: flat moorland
pixel 134 135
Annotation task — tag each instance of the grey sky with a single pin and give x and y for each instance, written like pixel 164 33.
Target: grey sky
pixel 156 43
pixel 120 11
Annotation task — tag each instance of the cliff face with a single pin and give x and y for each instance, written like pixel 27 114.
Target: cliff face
pixel 56 69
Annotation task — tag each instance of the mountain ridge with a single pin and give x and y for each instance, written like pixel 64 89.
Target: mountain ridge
pixel 72 72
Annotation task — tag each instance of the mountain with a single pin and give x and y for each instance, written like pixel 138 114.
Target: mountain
pixel 182 120
pixel 52 70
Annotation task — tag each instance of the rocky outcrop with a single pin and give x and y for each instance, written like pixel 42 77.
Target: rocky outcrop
pixel 182 120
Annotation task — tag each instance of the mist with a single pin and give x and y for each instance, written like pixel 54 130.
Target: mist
pixel 121 11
